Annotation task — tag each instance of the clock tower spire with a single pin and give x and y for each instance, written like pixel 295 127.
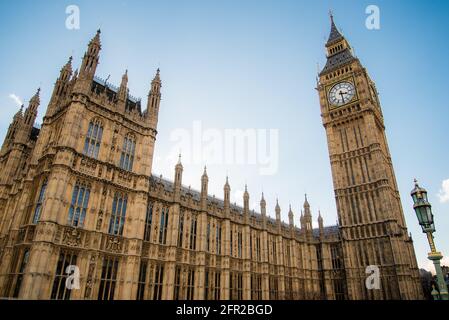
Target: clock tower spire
pixel 370 216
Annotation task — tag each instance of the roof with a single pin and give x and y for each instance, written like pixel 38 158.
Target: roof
pixel 338 60
pixel 196 195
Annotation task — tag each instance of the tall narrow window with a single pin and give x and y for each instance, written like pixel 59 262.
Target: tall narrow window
pixel 142 280
pixel 60 290
pixel 118 214
pixel 177 292
pixel 273 281
pixel 21 272
pixel 239 244
pixel 158 282
pixel 93 139
pixel 163 226
pixel 127 156
pixel 231 247
pixel 206 285
pixel 208 237
pixel 108 279
pixel 148 221
pixel 40 200
pixel 217 285
pixel 258 247
pixel 218 239
pixel 78 206
pixel 181 229
pixel 193 226
pixel 190 284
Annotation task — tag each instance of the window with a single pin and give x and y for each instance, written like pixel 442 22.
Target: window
pixel 231 242
pixel 273 281
pixel 142 280
pixel 193 226
pixel 127 156
pixel 118 214
pixel 177 292
pixel 78 206
pixel 212 282
pixel 218 239
pixel 288 283
pixel 60 290
pixel 258 255
pixel 236 285
pixel 158 282
pixel 20 272
pixel 40 200
pixel 217 285
pixel 148 221
pixel 108 279
pixel 256 287
pixel 181 229
pixel 208 237
pixel 190 284
pixel 163 226
pixel 239 243
pixel 93 139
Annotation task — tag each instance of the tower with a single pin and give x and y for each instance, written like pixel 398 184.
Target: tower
pixel 369 209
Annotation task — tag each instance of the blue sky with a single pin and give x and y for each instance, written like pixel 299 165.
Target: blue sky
pixel 252 65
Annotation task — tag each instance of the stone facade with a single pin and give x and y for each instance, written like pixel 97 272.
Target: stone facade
pixel 80 191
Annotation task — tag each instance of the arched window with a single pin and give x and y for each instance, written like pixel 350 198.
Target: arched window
pixel 127 156
pixel 118 215
pixel 78 206
pixel 40 200
pixel 93 139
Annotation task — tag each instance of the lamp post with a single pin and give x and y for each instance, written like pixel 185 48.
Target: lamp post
pixel 423 211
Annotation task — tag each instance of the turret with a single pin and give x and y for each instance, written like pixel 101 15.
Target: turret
pixel 204 183
pixel 91 58
pixel 61 87
pixel 13 128
pixel 263 207
pixel 277 209
pixel 290 217
pixel 122 94
pixel 246 201
pixel 178 178
pixel 320 223
pixel 26 125
pixel 307 215
pixel 154 99
pixel 227 197
pixel 89 65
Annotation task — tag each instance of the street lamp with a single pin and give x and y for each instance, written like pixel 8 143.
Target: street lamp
pixel 423 211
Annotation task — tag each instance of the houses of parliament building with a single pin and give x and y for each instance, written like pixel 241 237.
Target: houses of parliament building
pixel 78 198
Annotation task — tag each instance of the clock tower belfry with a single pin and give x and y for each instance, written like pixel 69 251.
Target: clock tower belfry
pixel 370 215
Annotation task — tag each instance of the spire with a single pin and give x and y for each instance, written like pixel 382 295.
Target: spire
pixel 339 51
pixel 277 209
pixel 246 200
pixel 290 216
pixel 263 206
pixel 204 187
pixel 123 92
pixel 154 100
pixel 91 57
pixel 334 34
pixel 66 71
pixel 306 203
pixel 227 196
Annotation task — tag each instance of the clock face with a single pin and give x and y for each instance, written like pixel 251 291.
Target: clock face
pixel 341 93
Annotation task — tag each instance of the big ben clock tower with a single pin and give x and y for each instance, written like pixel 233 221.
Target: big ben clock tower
pixel 371 220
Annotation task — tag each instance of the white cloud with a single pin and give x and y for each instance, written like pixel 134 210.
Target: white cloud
pixel 444 191
pixel 16 99
pixel 430 267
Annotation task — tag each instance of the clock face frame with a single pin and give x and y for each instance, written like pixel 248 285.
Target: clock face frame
pixel 341 93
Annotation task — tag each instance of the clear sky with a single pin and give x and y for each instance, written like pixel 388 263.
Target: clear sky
pixel 252 65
